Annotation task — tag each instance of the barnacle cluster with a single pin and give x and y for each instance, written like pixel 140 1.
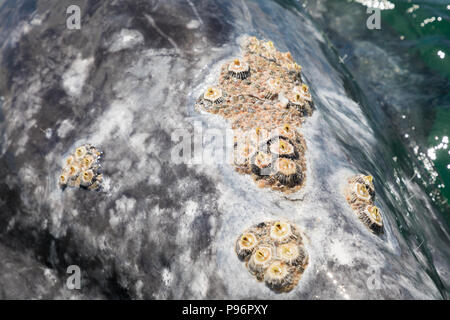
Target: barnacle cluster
pixel 264 97
pixel 82 169
pixel 274 253
pixel 360 195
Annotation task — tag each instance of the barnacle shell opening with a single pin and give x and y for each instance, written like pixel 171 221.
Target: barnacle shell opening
pixel 87 161
pixel 282 147
pixel 288 251
pixel 258 135
pixel 262 160
pixel 285 166
pixel 80 152
pixel 368 180
pixel 73 169
pixel 248 240
pixel 86 177
pixel 280 231
pixel 274 85
pixel 361 192
pixel 213 94
pixel 238 66
pixel 277 270
pixel 63 179
pixel 262 255
pixel 374 214
pixel 70 160
pixel 278 277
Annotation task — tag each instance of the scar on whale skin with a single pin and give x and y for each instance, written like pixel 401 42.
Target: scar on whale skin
pixel 360 195
pixel 274 253
pixel 263 96
pixel 82 169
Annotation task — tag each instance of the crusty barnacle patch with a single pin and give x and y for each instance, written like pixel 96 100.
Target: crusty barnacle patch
pixel 81 169
pixel 360 195
pixel 264 95
pixel 273 252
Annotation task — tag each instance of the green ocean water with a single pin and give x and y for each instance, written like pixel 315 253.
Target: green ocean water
pixel 404 71
pixel 425 27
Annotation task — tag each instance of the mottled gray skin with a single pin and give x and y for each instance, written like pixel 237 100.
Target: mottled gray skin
pixel 162 230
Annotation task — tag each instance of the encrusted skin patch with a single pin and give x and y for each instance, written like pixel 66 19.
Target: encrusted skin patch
pixel 266 101
pixel 82 169
pixel 274 253
pixel 360 195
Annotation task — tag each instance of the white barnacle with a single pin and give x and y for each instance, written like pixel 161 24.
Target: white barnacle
pixel 282 148
pixel 80 152
pixel 63 179
pixel 260 260
pixel 360 192
pixel 239 69
pixel 279 277
pixel 87 162
pixel 281 232
pixel 371 217
pixel 213 95
pixel 86 177
pixel 274 86
pixel 245 245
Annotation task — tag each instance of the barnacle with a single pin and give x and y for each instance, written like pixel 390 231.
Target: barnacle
pixel 239 69
pixel 367 180
pixel 245 245
pixel 73 169
pixel 260 260
pixel 243 152
pixel 261 163
pixel 80 152
pixel 82 169
pixel 285 131
pixel 213 95
pixel 70 160
pixel 303 91
pixel 86 177
pixel 87 161
pixel 371 217
pixel 280 232
pixel 258 92
pixel 360 195
pixel 294 67
pixel 283 148
pixel 63 179
pixel 279 277
pixel 274 87
pixel 258 136
pixel 273 252
pixel 296 99
pixel 293 254
pixel 287 172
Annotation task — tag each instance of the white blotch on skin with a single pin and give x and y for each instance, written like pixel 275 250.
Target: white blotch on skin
pixel 166 277
pixel 76 75
pixel 193 24
pixel 125 39
pixel 65 127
